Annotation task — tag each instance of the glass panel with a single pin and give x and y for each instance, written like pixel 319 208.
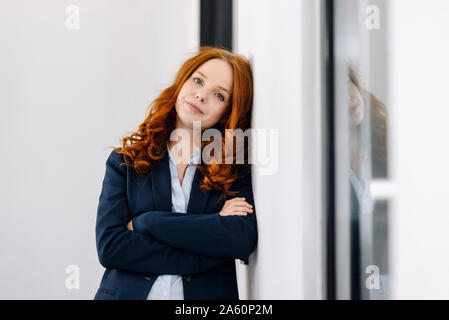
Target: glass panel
pixel 360 42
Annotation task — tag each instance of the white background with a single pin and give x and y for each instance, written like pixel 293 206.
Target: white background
pixel 65 95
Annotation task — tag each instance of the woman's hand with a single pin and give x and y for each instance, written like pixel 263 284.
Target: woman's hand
pixel 130 225
pixel 236 206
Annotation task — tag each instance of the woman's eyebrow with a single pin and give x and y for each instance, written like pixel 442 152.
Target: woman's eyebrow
pixel 202 74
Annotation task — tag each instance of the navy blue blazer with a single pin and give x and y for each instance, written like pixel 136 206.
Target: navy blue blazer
pixel 201 245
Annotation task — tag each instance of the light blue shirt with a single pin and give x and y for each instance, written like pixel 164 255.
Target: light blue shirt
pixel 168 286
pixel 361 187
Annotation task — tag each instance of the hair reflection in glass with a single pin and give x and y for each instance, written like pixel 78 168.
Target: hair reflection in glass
pixel 363 107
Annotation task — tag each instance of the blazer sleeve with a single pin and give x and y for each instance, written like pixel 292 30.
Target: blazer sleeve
pixel 120 248
pixel 212 235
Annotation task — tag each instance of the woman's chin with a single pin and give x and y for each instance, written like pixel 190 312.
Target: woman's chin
pixel 356 120
pixel 189 122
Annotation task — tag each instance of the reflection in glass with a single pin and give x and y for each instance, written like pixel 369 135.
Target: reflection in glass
pixel 368 156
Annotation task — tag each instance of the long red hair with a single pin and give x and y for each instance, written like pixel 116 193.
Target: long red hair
pixel 147 145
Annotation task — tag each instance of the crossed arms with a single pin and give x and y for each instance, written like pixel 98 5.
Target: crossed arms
pixel 168 242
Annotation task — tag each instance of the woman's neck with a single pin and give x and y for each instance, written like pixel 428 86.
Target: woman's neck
pixel 185 144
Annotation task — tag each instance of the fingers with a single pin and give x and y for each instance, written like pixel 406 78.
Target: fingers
pixel 236 206
pixel 240 202
pixel 242 211
pixel 240 205
pixel 234 213
pixel 243 205
pixel 236 198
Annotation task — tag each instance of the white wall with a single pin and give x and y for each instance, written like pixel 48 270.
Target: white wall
pixel 282 39
pixel 419 218
pixel 65 96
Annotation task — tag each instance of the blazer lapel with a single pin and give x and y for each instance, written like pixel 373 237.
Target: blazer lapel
pixel 161 184
pixel 161 188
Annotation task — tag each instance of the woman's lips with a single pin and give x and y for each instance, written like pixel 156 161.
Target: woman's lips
pixel 194 108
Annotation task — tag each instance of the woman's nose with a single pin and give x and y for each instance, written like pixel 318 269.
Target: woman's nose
pixel 200 96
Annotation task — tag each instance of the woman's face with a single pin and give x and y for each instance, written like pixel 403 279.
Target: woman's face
pixel 209 88
pixel 356 105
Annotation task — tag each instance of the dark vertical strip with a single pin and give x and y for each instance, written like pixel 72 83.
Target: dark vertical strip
pixel 329 134
pixel 216 23
pixel 355 246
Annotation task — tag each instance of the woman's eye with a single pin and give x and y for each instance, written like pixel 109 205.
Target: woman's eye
pixel 199 80
pixel 220 96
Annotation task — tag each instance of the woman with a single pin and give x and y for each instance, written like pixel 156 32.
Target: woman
pixel 368 132
pixel 164 229
pixel 368 120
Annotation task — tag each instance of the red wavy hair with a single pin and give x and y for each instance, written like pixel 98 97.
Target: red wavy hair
pixel 147 145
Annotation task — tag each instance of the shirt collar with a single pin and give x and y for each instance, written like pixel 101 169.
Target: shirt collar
pixel 194 158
